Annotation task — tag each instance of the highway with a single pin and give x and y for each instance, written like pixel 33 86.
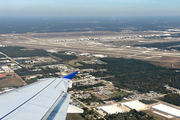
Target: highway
pixel 10 58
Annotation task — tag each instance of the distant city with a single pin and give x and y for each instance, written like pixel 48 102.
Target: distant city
pixel 79 24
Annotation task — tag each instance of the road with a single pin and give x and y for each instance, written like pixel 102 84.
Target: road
pixel 9 58
pixel 17 64
pixel 88 106
pixel 12 59
pixel 82 103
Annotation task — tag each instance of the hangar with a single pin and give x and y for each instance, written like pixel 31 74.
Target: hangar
pixel 167 110
pixel 134 105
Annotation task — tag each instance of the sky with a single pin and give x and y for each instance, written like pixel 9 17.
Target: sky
pixel 90 8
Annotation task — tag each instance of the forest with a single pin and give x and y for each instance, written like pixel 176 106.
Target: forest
pixel 172 98
pixel 148 101
pixel 26 71
pixel 136 75
pixel 65 57
pixel 117 98
pixel 1 56
pixel 160 45
pixel 12 51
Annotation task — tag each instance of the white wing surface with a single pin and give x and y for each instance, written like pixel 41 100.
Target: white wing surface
pixel 44 100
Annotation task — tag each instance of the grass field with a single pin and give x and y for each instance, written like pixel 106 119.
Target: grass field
pixel 117 93
pixel 72 63
pixel 74 117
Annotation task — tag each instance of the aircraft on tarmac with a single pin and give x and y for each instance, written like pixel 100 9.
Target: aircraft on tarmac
pixel 46 99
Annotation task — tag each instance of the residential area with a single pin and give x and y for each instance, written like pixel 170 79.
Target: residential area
pixel 89 91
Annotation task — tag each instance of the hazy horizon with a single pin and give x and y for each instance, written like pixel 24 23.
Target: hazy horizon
pixel 75 24
pixel 90 8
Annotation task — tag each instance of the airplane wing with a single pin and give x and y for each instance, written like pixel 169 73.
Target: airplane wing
pixel 46 99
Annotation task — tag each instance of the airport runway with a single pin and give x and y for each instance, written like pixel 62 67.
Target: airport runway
pixel 48 41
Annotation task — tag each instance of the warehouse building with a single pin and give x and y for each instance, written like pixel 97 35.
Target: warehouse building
pixel 134 105
pixel 111 109
pixel 167 110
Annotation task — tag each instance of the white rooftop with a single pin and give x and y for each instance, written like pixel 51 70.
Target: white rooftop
pixel 101 56
pixel 134 105
pixel 111 109
pixel 167 109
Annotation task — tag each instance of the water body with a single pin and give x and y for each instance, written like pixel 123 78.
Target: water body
pixel 75 24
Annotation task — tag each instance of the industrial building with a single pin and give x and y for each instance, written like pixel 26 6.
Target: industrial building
pixel 167 110
pixel 111 109
pixel 134 105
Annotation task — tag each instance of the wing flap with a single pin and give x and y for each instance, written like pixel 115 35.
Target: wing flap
pixel 61 114
pixel 74 109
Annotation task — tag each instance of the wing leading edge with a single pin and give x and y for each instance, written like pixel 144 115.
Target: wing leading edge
pixel 44 100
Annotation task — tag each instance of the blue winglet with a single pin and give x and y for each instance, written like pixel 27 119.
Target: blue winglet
pixel 71 75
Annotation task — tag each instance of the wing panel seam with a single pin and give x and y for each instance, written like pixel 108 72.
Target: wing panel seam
pixel 26 101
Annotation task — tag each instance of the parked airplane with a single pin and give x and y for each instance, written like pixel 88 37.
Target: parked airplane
pixel 46 99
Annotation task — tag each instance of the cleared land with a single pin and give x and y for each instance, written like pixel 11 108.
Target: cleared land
pixel 7 80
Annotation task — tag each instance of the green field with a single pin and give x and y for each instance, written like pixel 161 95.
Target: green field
pixel 118 93
pixel 74 117
pixel 65 57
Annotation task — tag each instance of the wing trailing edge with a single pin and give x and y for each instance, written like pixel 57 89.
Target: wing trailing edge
pixel 46 99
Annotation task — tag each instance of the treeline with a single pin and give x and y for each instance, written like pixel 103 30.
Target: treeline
pixel 100 73
pixel 160 45
pixel 176 48
pixel 1 56
pixel 76 87
pixel 93 66
pixel 31 81
pixel 132 115
pixel 48 63
pixel 26 71
pixel 148 101
pixel 17 52
pixel 172 98
pixel 65 57
pixel 136 75
pixel 116 98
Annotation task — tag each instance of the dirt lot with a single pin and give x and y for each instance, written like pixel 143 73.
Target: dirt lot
pixel 10 80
